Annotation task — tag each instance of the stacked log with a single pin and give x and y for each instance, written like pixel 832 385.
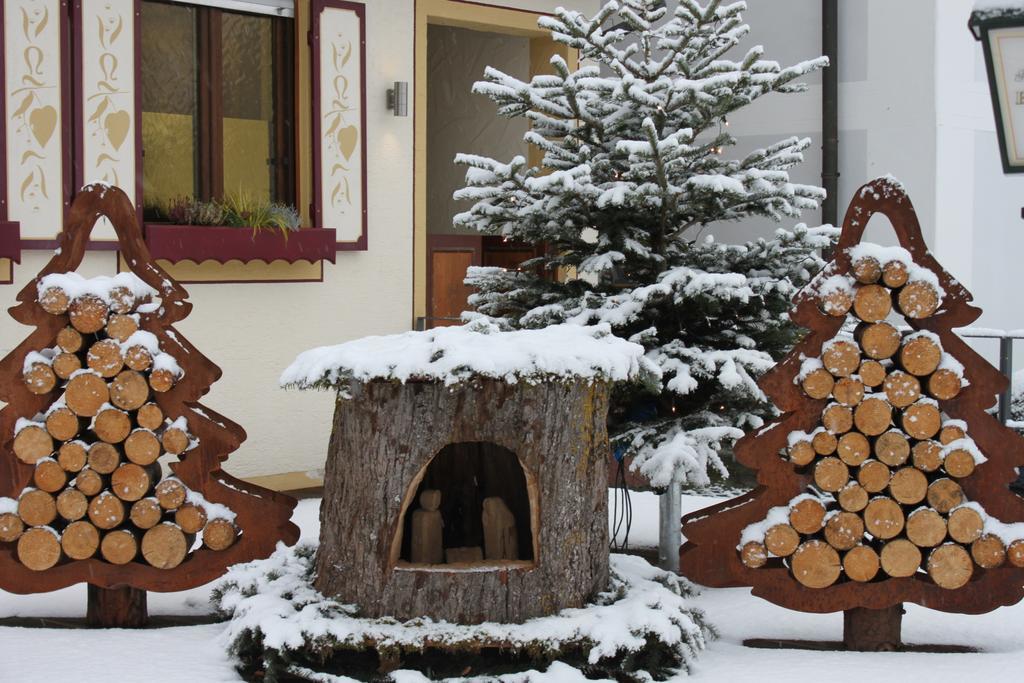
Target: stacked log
pixel 97 489
pixel 885 465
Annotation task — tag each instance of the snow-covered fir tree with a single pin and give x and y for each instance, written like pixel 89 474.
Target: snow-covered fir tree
pixel 636 164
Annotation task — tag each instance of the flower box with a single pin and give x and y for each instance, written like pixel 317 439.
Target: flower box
pixel 10 241
pixel 200 243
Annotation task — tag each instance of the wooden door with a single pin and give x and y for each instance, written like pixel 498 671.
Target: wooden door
pixel 448 293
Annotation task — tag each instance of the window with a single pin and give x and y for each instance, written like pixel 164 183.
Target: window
pixel 217 104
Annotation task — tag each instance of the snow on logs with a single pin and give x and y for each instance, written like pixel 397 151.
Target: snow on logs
pixel 97 486
pixel 885 464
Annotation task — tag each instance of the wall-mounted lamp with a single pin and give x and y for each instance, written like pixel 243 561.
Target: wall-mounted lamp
pixel 398 98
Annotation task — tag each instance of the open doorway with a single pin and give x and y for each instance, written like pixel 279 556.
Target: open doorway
pixel 471 506
pixel 456 42
pixel 460 121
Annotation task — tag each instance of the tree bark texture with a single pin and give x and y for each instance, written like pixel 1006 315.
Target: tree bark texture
pixel 384 437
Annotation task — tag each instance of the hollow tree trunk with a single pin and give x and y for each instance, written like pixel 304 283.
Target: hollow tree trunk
pixel 116 608
pixel 385 436
pixel 873 630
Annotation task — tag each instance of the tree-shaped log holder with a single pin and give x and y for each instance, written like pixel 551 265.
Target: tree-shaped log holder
pixel 102 398
pixel 884 481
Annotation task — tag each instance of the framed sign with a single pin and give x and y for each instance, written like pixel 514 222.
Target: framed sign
pixel 339 121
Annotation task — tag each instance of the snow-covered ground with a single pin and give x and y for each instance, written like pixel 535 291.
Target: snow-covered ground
pixel 195 654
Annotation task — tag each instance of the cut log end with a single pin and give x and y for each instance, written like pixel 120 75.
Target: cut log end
pixel 872 303
pixel 853 497
pixel 220 534
pixel 40 379
pixel 85 394
pixel 883 518
pixel 824 443
pixel 926 528
pixel 879 340
pixel 988 552
pixel 944 495
pixel 950 566
pixel 921 420
pixel 920 356
pixel 54 301
pixel 965 525
pixel 844 530
pixel 11 527
pixel 88 314
pixel 142 447
pixel 49 476
pixel 119 546
pixel 112 425
pixel 927 456
pixel 918 300
pixel 818 383
pixel 106 511
pixel 150 416
pixel 62 424
pixel 146 513
pixel 171 494
pixel 837 419
pixel 892 448
pixel 105 358
pixel 164 546
pixel 129 390
pixel 753 554
pixel 175 441
pixel 848 391
pixel 873 416
pixel 841 358
pixel 900 558
pixel 37 508
pixel 39 549
pixel 32 444
pixel 853 449
pixel 80 540
pixel 873 476
pixel 69 340
pixel 781 540
pixel 72 505
pixel 908 485
pixel 190 518
pixel 901 388
pixel 944 384
pixel 816 564
pixel 831 474
pixel 103 457
pixel 807 516
pixel 861 563
pixel 871 373
pixel 895 274
pixel 867 270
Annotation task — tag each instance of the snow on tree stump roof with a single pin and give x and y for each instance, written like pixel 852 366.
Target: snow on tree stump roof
pixel 453 355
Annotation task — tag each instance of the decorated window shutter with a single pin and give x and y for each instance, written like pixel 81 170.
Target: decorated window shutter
pixel 107 99
pixel 35 87
pixel 339 121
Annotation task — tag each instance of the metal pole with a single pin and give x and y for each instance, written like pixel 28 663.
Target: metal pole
pixel 670 536
pixel 1006 367
pixel 830 111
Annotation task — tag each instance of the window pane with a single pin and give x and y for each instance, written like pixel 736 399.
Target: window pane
pixel 169 106
pixel 248 90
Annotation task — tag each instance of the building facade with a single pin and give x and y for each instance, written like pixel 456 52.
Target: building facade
pixel 287 101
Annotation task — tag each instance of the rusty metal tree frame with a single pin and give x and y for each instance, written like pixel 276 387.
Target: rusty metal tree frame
pixel 262 515
pixel 710 555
